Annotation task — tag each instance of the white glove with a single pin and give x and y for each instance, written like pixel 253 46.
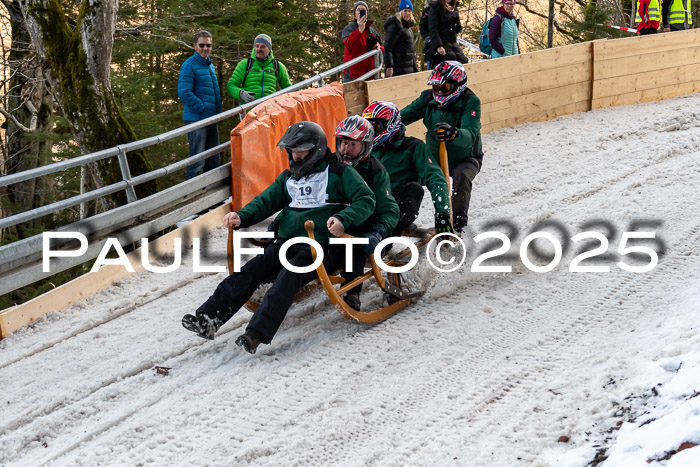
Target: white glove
pixel 246 96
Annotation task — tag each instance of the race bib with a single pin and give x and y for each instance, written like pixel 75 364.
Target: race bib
pixel 309 191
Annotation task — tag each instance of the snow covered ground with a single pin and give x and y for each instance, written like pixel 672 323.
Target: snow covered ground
pixel 520 368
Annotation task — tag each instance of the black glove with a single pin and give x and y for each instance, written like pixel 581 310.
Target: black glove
pixel 246 96
pixel 445 132
pixel 273 227
pixel 375 236
pixel 442 223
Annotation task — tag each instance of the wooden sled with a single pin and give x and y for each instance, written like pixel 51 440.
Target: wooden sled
pixel 391 285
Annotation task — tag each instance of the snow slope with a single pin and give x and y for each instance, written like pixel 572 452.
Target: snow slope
pixel 485 369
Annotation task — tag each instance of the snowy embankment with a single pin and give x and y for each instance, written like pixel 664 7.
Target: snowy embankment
pixel 518 368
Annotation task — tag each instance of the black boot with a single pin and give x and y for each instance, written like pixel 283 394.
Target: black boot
pixel 460 222
pixel 353 300
pixel 249 340
pixel 201 324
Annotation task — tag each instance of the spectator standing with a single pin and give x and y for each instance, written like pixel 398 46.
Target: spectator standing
pixel 676 15
pixel 443 27
pixel 260 75
pixel 359 37
pixel 425 33
pixel 399 50
pixel 648 16
pixel 198 89
pixel 503 31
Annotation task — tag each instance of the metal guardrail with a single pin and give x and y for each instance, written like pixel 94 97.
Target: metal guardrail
pixel 20 262
pixel 154 140
pixel 474 48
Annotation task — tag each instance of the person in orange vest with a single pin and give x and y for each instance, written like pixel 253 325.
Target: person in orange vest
pixel 648 16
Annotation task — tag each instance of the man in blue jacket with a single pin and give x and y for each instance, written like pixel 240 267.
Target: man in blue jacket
pixel 198 89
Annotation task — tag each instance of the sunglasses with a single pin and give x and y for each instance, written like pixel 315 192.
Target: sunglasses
pixel 202 46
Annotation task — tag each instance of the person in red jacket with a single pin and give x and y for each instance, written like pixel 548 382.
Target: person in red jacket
pixel 648 17
pixel 359 37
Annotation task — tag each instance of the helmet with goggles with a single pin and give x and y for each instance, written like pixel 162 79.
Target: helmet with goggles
pixel 385 119
pixel 354 128
pixel 304 136
pixel 448 80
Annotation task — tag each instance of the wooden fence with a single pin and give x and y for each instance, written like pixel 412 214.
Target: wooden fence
pixel 549 83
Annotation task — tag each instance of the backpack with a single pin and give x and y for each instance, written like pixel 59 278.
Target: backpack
pixel 484 43
pixel 275 66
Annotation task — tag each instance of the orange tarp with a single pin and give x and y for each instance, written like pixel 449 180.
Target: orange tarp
pixel 255 159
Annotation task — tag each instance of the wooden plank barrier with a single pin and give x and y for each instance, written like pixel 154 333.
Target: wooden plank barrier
pixel 89 284
pixel 646 68
pixel 546 84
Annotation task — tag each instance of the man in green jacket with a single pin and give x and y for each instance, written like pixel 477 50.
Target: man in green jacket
pixel 408 167
pixel 259 75
pixel 451 112
pixel 353 143
pixel 315 187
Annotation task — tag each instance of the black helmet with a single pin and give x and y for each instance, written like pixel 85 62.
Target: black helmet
pixel 307 136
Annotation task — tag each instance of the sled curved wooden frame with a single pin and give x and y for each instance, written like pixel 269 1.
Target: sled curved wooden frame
pixel 328 281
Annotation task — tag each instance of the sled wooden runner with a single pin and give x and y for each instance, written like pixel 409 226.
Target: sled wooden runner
pixel 327 281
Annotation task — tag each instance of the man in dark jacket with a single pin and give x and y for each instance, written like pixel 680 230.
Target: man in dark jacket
pixel 198 89
pixel 399 51
pixel 451 112
pixel 408 166
pixel 353 143
pixel 315 187
pixel 676 15
pixel 359 37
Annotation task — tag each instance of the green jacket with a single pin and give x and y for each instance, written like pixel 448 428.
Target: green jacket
pixel 261 79
pixel 464 113
pixel 346 197
pixel 386 212
pixel 405 160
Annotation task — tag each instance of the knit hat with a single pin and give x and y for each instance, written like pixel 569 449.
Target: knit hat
pixel 354 7
pixel 405 4
pixel 263 39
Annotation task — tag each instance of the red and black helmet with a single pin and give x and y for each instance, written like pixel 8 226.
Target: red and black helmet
pixel 355 128
pixel 448 80
pixel 385 119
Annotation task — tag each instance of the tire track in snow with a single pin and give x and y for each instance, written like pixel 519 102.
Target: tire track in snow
pixel 98 379
pixel 502 393
pixel 377 339
pixel 499 392
pixel 118 313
